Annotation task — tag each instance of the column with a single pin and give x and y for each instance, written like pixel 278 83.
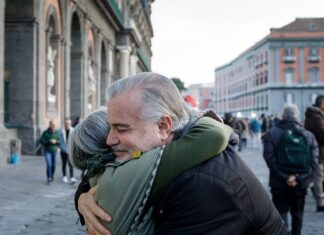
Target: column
pixel 133 66
pixel 124 53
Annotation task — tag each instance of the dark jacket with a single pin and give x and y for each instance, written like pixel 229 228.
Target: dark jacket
pixel 47 135
pixel 314 122
pixel 221 197
pixel 278 178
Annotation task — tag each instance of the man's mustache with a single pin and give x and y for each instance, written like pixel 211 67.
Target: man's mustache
pixel 117 148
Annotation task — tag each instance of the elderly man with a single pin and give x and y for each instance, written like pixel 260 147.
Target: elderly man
pixel 291 154
pixel 220 196
pixel 50 140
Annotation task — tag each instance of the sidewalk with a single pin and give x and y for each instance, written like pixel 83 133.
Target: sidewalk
pixel 29 206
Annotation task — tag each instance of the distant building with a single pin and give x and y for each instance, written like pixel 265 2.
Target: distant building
pixel 287 66
pixel 58 56
pixel 203 94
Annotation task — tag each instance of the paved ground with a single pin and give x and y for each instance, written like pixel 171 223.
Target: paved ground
pixel 29 206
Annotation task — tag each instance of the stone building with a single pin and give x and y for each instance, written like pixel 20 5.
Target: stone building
pixel 58 56
pixel 284 67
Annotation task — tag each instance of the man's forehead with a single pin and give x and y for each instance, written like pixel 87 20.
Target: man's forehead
pixel 124 108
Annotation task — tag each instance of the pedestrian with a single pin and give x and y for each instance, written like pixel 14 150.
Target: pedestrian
pixel 237 126
pixel 246 132
pixel 64 134
pixel 291 153
pixel 314 122
pixel 255 133
pixel 50 140
pixel 265 124
pixel 76 122
pixel 219 196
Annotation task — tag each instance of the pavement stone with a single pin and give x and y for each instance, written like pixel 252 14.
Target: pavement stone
pixel 28 206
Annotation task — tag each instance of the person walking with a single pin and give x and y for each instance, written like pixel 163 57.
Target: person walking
pixel 50 141
pixel 64 137
pixel 291 153
pixel 256 133
pixel 314 122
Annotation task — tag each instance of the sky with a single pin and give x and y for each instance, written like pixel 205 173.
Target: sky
pixel 193 37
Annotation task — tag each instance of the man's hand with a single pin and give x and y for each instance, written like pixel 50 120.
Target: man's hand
pixel 292 181
pixel 88 207
pixel 53 141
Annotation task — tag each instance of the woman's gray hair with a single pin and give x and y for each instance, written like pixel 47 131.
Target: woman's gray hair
pixel 290 110
pixel 89 139
pixel 159 97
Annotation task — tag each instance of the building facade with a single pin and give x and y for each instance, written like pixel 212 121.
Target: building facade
pixel 287 66
pixel 57 57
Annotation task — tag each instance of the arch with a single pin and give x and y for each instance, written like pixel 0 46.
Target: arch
pixel 52 15
pixel 76 56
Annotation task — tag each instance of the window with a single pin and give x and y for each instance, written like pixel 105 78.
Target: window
pixel 313 51
pixel 289 51
pixel 289 76
pixel 289 55
pixel 313 54
pixel 313 75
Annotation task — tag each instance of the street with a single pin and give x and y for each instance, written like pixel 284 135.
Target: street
pixel 29 206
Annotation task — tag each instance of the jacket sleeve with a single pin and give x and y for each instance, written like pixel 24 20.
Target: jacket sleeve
pixel 304 178
pixel 43 139
pixel 197 203
pixel 83 187
pixel 206 139
pixel 270 158
pixel 319 130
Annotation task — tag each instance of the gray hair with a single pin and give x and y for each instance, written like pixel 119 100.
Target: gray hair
pixel 89 139
pixel 159 97
pixel 290 110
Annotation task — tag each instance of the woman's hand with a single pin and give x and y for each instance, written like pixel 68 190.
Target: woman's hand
pixel 88 207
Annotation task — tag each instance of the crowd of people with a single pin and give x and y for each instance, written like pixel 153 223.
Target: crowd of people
pixel 294 154
pixel 153 166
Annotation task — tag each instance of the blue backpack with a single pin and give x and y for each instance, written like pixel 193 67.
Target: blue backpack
pixel 293 152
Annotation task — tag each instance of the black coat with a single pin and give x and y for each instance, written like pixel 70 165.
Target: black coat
pixel 221 197
pixel 278 178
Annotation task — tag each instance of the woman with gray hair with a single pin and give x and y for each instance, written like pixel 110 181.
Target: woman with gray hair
pixel 125 189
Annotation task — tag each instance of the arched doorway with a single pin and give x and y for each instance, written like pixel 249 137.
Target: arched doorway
pixel 75 68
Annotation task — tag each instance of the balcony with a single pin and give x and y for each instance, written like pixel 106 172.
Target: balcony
pixel 289 59
pixel 313 58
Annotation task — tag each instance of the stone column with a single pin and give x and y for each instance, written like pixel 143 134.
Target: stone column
pixel 2 35
pixel 133 66
pixel 124 53
pixel 99 39
pixel 110 63
pixel 4 143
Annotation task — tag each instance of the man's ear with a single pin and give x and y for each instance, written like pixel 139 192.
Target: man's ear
pixel 165 125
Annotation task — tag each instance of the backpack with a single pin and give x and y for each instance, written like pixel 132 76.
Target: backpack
pixel 293 152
